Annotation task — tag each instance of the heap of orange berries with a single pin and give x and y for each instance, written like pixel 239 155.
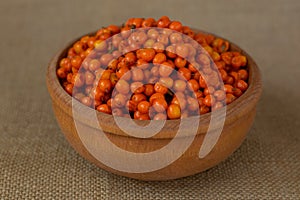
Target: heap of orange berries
pixel 148 69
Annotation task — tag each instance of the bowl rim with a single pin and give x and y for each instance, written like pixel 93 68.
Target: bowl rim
pixel 235 110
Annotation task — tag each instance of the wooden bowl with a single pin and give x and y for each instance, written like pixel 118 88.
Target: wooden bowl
pixel 238 120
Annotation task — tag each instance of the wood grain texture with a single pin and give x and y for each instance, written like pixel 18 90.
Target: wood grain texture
pixel 239 118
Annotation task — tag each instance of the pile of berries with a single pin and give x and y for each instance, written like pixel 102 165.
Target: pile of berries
pixel 148 69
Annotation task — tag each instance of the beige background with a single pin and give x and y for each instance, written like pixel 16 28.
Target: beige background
pixel 37 162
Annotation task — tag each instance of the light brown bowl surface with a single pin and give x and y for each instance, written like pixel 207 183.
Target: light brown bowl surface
pixel 239 118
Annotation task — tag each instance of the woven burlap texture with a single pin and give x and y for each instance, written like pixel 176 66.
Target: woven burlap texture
pixel 36 162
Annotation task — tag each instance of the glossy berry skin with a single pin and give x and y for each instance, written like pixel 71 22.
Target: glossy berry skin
pixel 174 111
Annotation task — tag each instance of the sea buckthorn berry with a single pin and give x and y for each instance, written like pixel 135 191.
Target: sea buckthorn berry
pixel 179 100
pixel 193 67
pixel 166 81
pixel 165 69
pixel 174 111
pixel 156 96
pixel 160 88
pixel 113 29
pixel 179 85
pixel 229 80
pixel 71 53
pixel 208 49
pixel 227 57
pixel 122 86
pixel 175 38
pixel 180 62
pixel 113 79
pixel 149 43
pixel 220 45
pixel 185 114
pixel 203 59
pixel 138 98
pixel 123 73
pixel 105 85
pixel 202 82
pixel 137 87
pixel 163 39
pixel 86 101
pixel 69 77
pixel 94 65
pixel 78 80
pixel 243 74
pixel 160 116
pixel 146 54
pixel 104 108
pixel 149 90
pixel 137 22
pixel 193 85
pixel 100 45
pixel 229 98
pixel 217 105
pixel 192 103
pixel 198 94
pixel 106 74
pixel 143 117
pixel 182 50
pixel 242 85
pixel 144 107
pixel 137 114
pixel 163 22
pixel 159 105
pixel 148 22
pixel 91 42
pixel 89 78
pixel 208 90
pixel 159 58
pixel 220 64
pixel 170 52
pixel 106 59
pixel 61 73
pixel 175 25
pixel 69 88
pixel 152 33
pixel 76 62
pixel 96 94
pixel 117 112
pixel 119 101
pixel 79 96
pixel 153 80
pixel 228 88
pixel 137 74
pixel 220 95
pixel 131 105
pixel 187 30
pixel 239 61
pixel 209 100
pixel 234 75
pixel 158 47
pixel 237 92
pixel 130 58
pixel 142 64
pixel 184 74
pixel 65 63
pixel 223 74
pixel 204 109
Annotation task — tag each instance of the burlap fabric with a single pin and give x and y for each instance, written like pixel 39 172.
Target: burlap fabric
pixel 36 162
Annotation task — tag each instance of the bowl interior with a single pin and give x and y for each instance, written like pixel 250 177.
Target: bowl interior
pixel 233 111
